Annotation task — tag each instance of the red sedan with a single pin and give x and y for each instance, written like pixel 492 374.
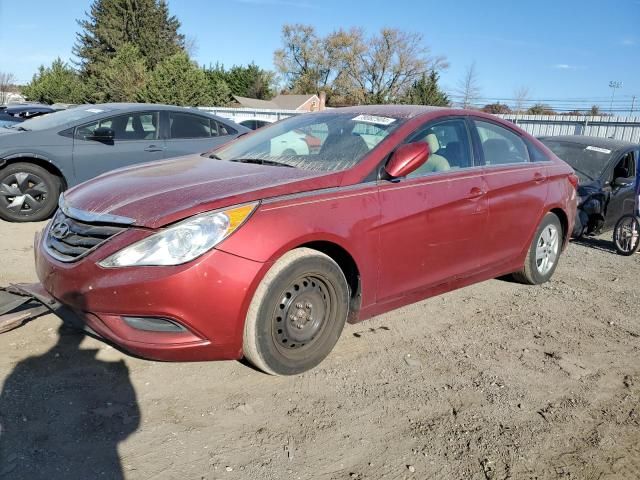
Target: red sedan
pixel 247 252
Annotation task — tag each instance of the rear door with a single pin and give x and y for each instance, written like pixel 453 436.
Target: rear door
pixel 517 189
pixel 136 141
pixel 434 221
pixel 191 133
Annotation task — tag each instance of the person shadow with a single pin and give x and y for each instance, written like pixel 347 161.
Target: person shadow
pixel 63 414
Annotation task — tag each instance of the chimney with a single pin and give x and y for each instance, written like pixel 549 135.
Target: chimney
pixel 323 100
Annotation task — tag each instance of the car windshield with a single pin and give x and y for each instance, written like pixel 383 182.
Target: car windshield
pixel 327 141
pixel 56 119
pixel 588 161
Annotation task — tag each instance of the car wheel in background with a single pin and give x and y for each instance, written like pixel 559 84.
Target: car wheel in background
pixel 297 313
pixel 544 252
pixel 28 193
pixel 626 235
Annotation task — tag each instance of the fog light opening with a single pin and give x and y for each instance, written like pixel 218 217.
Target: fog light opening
pixel 154 324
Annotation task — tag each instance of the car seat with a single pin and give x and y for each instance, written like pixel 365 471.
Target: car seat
pixel 435 163
pixel 496 151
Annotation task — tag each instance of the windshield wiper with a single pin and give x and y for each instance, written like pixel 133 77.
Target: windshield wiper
pixel 261 161
pixel 20 128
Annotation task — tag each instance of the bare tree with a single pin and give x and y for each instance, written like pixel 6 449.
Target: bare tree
pixel 520 97
pixel 304 61
pixel 468 87
pixel 384 66
pixel 6 82
pixel 191 45
pixel 351 66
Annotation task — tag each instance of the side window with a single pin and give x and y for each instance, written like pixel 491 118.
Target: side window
pixel 184 125
pixel 626 167
pixel 449 147
pixel 499 145
pixel 222 129
pixel 135 126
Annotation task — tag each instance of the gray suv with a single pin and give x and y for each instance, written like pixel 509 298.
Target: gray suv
pixel 41 157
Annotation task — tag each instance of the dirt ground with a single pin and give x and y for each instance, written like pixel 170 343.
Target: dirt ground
pixel 494 381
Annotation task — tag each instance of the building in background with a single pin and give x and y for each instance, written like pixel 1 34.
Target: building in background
pixel 301 103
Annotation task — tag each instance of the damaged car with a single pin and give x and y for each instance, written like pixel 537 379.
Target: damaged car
pixel 248 251
pixel 606 169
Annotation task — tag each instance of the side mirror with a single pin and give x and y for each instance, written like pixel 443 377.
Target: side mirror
pixel 407 158
pixel 103 134
pixel 624 181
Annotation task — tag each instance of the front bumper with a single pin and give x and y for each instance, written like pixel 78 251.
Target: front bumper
pixel 209 297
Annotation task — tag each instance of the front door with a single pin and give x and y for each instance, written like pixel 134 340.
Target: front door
pixel 135 141
pixel 622 199
pixel 434 221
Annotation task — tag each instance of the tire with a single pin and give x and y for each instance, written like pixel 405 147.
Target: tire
pixel 544 253
pixel 297 313
pixel 626 235
pixel 28 193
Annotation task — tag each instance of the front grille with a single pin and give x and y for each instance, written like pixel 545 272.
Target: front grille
pixel 69 240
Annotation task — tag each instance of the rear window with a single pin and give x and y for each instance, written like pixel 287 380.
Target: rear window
pixel 588 161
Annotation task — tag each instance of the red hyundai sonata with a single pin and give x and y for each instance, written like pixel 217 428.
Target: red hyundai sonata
pixel 247 252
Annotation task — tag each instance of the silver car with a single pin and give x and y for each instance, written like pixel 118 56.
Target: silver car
pixel 43 156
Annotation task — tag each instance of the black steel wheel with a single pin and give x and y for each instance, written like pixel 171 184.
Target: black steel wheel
pixel 626 235
pixel 297 313
pixel 28 193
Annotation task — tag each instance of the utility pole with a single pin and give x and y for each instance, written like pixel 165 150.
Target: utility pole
pixel 633 103
pixel 613 85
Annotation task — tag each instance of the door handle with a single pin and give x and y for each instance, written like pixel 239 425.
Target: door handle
pixel 153 148
pixel 538 177
pixel 476 192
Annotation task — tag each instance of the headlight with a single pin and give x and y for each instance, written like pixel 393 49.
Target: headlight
pixel 183 241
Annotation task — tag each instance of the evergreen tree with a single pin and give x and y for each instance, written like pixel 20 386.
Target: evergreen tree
pixel 177 81
pixel 59 83
pixel 220 92
pixel 426 91
pixel 122 78
pixel 110 24
pixel 250 81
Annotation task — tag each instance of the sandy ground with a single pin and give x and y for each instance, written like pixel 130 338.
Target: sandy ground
pixel 494 381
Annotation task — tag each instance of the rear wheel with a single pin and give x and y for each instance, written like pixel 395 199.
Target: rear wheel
pixel 297 313
pixel 544 252
pixel 28 193
pixel 626 235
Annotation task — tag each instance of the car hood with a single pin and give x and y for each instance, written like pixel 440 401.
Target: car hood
pixel 156 194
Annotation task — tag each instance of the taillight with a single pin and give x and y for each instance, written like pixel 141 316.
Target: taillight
pixel 573 180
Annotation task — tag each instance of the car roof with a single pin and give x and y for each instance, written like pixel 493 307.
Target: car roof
pixel 111 108
pixel 396 111
pixel 608 143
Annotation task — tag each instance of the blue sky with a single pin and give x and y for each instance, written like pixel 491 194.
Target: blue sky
pixel 560 49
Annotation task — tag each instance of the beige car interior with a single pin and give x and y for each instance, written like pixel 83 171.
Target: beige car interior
pixel 435 163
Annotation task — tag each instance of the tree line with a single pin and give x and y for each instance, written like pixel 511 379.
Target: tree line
pixel 133 51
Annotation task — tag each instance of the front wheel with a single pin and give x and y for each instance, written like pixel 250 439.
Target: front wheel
pixel 297 313
pixel 544 252
pixel 28 193
pixel 626 235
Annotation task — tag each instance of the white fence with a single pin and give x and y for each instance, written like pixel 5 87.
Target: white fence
pixel 620 128
pixel 239 114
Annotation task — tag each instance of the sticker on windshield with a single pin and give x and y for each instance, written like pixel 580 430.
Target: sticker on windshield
pixel 598 149
pixel 94 110
pixel 374 119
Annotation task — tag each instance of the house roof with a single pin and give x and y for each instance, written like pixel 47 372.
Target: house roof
pixel 286 102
